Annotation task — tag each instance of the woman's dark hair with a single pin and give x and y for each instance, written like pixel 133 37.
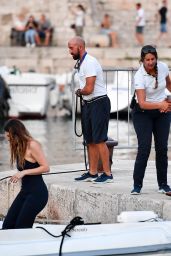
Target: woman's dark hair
pixel 150 49
pixel 18 139
pixel 81 7
pixel 138 5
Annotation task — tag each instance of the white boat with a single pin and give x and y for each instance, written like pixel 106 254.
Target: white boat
pixel 89 240
pixel 29 93
pixel 119 90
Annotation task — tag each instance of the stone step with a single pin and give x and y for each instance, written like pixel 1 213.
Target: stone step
pixel 58 60
pixel 122 14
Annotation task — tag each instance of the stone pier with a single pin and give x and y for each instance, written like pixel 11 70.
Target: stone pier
pixel 94 202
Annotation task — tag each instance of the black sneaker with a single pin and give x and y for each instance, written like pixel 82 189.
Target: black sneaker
pixel 87 177
pixel 136 190
pixel 103 178
pixel 164 189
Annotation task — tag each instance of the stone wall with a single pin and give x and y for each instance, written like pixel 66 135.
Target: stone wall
pixel 94 203
pixel 58 60
pixel 121 11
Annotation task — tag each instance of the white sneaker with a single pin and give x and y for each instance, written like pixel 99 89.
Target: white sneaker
pixel 28 45
pixel 33 45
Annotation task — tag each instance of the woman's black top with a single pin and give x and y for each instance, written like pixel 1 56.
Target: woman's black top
pixel 31 182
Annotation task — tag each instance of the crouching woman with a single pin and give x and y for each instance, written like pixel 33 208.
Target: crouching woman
pixel 31 163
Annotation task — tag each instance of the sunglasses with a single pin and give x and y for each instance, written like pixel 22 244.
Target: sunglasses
pixel 77 65
pixel 148 50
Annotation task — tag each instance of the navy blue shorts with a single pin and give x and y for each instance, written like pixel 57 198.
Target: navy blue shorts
pixel 95 117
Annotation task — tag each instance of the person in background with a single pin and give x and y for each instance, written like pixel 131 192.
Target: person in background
pixel 139 25
pixel 31 163
pixel 19 28
pixel 4 104
pixel 31 35
pixel 151 117
pixel 95 110
pixel 162 13
pixel 79 24
pixel 106 30
pixel 44 30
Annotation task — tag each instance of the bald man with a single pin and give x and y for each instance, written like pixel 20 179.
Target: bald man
pixel 95 110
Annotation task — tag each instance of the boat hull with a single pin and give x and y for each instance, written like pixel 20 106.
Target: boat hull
pixel 88 240
pixel 29 94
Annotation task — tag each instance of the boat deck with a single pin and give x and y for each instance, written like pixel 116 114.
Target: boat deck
pixel 95 202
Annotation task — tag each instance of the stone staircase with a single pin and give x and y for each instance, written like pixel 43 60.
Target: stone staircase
pixel 58 60
pixel 122 13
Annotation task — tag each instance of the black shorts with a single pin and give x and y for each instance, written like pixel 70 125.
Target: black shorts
pixel 139 29
pixel 95 116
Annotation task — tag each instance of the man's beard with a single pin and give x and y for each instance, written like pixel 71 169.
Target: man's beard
pixel 76 56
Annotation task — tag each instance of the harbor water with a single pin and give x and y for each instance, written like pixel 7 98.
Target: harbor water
pixel 58 141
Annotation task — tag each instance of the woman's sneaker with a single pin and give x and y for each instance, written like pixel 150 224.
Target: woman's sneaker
pixel 136 190
pixel 104 179
pixel 164 189
pixel 87 177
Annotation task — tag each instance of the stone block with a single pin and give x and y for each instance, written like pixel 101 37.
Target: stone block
pixel 22 64
pixel 99 41
pixel 97 52
pixel 135 203
pixel 166 209
pixel 114 53
pixel 95 206
pixel 61 202
pixel 8 192
pixel 6 18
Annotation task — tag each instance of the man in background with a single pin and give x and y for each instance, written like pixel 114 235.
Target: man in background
pixel 140 23
pixel 162 13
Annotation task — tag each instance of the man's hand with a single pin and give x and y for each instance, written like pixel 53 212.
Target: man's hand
pixel 78 92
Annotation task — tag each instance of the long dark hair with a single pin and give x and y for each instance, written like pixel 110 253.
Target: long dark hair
pixel 81 7
pixel 150 49
pixel 18 139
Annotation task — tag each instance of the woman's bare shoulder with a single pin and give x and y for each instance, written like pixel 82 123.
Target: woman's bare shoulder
pixel 33 144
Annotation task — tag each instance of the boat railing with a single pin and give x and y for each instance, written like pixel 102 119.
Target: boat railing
pixel 119 80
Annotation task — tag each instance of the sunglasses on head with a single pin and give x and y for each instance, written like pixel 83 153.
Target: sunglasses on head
pixel 146 50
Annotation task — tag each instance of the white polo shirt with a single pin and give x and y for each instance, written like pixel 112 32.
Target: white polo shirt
pixel 140 18
pixel 142 80
pixel 91 67
pixel 79 20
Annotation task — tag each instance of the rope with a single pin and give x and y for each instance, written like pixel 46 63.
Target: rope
pixel 82 132
pixel 49 233
pixel 150 220
pixel 45 174
pixel 7 177
pixel 74 222
pixel 76 113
